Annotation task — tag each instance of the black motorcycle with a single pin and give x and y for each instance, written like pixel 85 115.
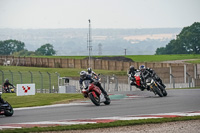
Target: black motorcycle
pixel 156 87
pixel 6 109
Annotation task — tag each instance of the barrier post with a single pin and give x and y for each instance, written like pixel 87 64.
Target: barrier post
pixel 49 82
pixel 41 89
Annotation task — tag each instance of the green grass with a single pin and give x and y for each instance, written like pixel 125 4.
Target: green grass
pixel 194 62
pixel 159 58
pixel 102 125
pixel 139 58
pixel 40 99
pixel 63 57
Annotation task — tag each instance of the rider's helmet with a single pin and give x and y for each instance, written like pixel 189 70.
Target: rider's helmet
pixel 89 70
pixel 132 68
pixel 6 80
pixel 142 68
pixel 83 74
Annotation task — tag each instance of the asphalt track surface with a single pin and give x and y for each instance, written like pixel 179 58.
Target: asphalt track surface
pixel 122 104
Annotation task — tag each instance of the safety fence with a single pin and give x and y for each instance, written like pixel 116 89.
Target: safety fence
pixel 46 82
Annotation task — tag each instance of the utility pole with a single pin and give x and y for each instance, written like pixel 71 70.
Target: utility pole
pixel 100 48
pixel 89 43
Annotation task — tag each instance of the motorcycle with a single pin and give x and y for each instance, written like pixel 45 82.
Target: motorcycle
pixel 152 85
pixel 8 89
pixel 156 87
pixel 6 109
pixel 94 93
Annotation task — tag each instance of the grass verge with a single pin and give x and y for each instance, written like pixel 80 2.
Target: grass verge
pixel 102 125
pixel 194 62
pixel 40 99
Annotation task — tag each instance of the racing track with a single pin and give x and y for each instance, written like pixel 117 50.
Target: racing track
pixel 135 103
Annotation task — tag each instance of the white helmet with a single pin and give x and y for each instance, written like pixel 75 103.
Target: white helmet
pixel 83 74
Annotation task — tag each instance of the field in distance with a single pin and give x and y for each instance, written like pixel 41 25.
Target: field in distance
pixel 140 58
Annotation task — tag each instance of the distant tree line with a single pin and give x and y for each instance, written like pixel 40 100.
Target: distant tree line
pixel 187 42
pixel 17 48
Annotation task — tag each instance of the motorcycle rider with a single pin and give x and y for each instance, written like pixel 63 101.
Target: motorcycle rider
pixel 147 72
pixel 85 76
pixel 131 74
pixel 90 72
pixel 6 84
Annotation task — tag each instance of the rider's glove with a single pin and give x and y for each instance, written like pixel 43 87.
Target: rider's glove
pixel 132 78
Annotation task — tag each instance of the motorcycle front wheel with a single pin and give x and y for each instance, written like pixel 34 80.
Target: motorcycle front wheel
pixel 96 100
pixel 9 110
pixel 158 91
pixel 164 92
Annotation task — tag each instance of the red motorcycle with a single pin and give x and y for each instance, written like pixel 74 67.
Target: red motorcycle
pixel 137 79
pixel 94 93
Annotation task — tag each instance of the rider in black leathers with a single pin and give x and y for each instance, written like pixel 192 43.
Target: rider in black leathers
pixel 7 84
pixel 85 76
pixel 131 74
pixel 148 72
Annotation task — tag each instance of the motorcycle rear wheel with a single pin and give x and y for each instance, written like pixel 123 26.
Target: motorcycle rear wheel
pixel 96 100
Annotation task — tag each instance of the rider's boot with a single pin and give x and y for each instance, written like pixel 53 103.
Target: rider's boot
pixel 103 91
pixel 142 88
pixel 105 95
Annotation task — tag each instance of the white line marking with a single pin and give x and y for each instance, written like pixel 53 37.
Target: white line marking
pixel 56 122
pixel 50 106
pixel 4 127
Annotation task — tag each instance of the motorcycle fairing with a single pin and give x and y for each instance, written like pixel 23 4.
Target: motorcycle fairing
pixel 94 89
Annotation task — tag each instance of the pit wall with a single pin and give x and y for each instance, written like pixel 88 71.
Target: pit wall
pixel 168 72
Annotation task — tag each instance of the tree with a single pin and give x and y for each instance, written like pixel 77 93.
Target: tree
pixel 8 47
pixel 46 49
pixel 187 42
pixel 24 53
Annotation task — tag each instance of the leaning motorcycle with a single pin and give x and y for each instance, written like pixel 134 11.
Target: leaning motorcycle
pixel 152 85
pixel 155 86
pixel 6 109
pixel 94 93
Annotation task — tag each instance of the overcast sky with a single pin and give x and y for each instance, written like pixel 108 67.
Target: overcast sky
pixel 102 13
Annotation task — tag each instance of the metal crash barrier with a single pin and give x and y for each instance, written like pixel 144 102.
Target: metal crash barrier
pixel 64 86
